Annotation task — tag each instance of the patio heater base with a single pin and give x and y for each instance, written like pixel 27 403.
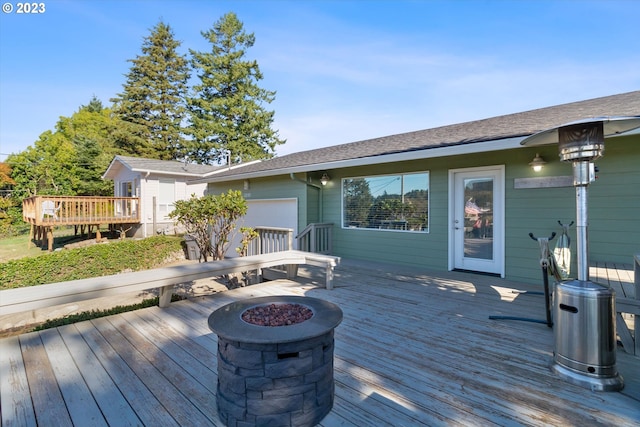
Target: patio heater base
pixel 615 383
pixel 585 335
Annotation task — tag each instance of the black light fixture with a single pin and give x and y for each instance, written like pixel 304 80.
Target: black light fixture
pixel 325 178
pixel 537 163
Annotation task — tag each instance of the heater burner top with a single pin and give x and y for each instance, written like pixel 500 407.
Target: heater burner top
pixel 580 142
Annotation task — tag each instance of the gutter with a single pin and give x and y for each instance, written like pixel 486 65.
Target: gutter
pixel 320 194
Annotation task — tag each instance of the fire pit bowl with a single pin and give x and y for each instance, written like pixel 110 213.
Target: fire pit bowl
pixel 275 375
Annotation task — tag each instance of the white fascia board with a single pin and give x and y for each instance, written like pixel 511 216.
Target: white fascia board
pixel 160 172
pixel 429 153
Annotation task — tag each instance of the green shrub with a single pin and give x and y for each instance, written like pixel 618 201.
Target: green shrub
pixel 92 261
pixel 94 314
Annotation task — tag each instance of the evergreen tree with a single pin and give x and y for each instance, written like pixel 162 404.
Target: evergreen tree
pixel 153 96
pixel 94 106
pixel 227 112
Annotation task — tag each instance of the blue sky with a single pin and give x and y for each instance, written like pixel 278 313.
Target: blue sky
pixel 343 71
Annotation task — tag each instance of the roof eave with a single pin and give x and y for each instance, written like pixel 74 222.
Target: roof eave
pixel 161 172
pixel 453 150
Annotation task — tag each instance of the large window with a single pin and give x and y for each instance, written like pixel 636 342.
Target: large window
pixel 386 202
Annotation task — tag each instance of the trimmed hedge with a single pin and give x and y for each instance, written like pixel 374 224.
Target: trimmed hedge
pixel 94 314
pixel 92 261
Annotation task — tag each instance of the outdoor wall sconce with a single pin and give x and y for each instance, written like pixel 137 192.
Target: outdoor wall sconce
pixel 537 163
pixel 324 179
pixel 246 184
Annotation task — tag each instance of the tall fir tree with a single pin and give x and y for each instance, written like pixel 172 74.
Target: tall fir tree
pixel 154 96
pixel 227 108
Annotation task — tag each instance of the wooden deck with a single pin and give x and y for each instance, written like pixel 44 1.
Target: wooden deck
pixel 80 210
pixel 619 277
pixel 46 212
pixel 413 349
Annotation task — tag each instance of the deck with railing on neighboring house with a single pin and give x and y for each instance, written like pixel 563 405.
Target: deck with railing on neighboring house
pixel 46 212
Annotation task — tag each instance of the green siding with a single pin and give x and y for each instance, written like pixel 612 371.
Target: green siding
pixel 614 203
pixel 423 249
pixel 614 208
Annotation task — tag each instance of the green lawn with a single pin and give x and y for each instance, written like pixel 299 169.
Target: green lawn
pixel 20 247
pixel 17 247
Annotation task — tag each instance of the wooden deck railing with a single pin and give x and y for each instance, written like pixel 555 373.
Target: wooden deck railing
pixel 620 278
pixel 316 238
pixel 271 239
pixel 80 210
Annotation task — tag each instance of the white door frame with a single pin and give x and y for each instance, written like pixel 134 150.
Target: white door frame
pixel 497 265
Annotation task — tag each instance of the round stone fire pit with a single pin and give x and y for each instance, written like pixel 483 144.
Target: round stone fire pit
pixel 275 375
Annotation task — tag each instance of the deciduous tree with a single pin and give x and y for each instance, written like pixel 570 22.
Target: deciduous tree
pixel 71 160
pixel 211 220
pixel 44 168
pixel 6 201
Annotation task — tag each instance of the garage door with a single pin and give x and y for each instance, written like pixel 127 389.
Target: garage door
pixel 281 213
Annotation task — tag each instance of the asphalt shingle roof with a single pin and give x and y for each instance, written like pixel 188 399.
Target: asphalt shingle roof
pixel 494 128
pixel 166 166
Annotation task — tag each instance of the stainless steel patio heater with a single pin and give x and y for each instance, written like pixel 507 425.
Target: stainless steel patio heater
pixel 584 312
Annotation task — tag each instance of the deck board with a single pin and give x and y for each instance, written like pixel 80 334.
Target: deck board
pixel 82 408
pixel 48 401
pixel 114 406
pixel 132 389
pixel 15 400
pixel 412 349
pixel 617 276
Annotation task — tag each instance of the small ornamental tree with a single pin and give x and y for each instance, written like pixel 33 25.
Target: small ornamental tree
pixel 211 220
pixel 229 208
pixel 248 235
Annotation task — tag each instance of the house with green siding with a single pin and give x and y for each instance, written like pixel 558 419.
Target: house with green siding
pixel 456 197
pixel 462 196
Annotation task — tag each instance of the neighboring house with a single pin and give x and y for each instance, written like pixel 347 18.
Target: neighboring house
pixel 454 197
pixel 158 183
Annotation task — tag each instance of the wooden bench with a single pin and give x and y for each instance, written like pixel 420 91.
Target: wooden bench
pixel 42 296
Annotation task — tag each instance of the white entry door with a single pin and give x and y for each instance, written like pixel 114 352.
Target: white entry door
pixel 476 206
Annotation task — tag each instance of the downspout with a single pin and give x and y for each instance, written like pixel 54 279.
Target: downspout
pixel 144 217
pixel 318 187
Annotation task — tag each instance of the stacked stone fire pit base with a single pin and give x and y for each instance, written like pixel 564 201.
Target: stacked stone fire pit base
pixel 275 375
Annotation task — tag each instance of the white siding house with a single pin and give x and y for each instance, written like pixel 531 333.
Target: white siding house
pixel 158 184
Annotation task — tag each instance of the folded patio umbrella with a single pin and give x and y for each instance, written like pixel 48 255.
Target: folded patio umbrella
pixel 562 252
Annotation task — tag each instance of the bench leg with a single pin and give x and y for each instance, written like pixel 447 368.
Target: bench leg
pixel 165 296
pixel 292 271
pixel 329 279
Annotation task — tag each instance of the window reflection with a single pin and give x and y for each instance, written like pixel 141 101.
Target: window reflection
pixel 387 202
pixel 478 218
